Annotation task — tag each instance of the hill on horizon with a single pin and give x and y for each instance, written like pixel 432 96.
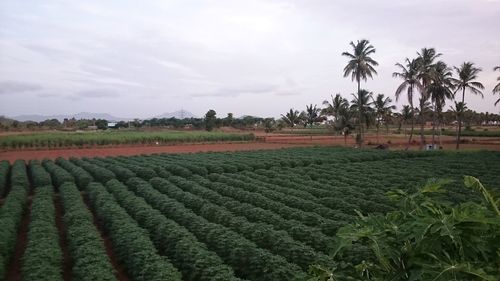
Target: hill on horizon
pixel 91 115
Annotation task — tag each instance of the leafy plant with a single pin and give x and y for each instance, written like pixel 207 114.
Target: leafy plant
pixel 428 238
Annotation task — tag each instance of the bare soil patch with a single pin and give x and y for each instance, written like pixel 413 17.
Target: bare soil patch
pixel 137 150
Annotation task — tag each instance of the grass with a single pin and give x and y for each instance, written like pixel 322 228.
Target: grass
pixel 80 139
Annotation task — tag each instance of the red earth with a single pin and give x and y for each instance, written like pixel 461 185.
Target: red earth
pixel 265 141
pixel 13 155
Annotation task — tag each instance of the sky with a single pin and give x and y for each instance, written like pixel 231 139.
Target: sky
pixel 143 58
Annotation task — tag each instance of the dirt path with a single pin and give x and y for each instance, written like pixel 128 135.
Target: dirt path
pixel 137 150
pixel 16 263
pixel 119 270
pixel 63 243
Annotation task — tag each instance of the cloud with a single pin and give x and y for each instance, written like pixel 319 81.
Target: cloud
pixel 15 87
pixel 237 91
pixel 95 93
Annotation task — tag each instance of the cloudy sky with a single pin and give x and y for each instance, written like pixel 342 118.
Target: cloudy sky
pixel 143 58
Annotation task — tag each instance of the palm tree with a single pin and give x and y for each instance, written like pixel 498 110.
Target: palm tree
pixel 383 110
pixel 467 74
pixel 333 108
pixel 497 87
pixel 360 66
pixel 345 120
pixel 440 89
pixel 426 70
pixel 411 83
pixel 406 114
pixel 361 104
pixel 312 114
pixel 291 118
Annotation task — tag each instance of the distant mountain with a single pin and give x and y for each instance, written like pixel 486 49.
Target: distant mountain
pixel 179 114
pixel 60 117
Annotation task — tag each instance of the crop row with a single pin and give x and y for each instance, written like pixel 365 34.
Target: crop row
pixel 11 214
pixel 131 243
pixel 247 259
pixel 189 255
pixel 114 138
pixel 4 176
pixel 309 235
pixel 90 261
pixel 82 177
pixel 262 234
pixel 39 176
pixel 42 259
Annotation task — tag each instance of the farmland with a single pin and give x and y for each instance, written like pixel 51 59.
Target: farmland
pixel 260 215
pixel 90 139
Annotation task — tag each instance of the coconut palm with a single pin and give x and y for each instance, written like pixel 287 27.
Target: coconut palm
pixel 311 114
pixel 362 105
pixel 497 87
pixel 411 83
pixel 405 115
pixel 426 73
pixel 333 108
pixel 360 66
pixel 383 110
pixel 291 118
pixel 440 89
pixel 467 75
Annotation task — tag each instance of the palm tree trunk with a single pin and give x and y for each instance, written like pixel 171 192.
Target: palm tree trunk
pixel 459 132
pixel 412 123
pixel 377 132
pixel 433 125
pixel 422 123
pixel 360 114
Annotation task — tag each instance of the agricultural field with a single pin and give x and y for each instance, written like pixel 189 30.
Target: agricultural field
pixel 89 139
pixel 260 215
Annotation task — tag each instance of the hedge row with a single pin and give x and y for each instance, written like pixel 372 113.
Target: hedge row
pixel 131 243
pixel 90 261
pixel 42 259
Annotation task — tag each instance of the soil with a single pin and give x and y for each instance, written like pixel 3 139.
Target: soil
pixel 16 263
pixel 265 141
pixel 119 270
pixel 61 228
pixel 137 150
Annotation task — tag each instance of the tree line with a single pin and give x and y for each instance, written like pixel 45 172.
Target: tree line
pixel 424 77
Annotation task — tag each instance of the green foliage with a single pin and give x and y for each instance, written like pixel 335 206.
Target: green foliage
pixel 427 238
pixel 10 217
pixel 131 243
pixel 71 139
pixel 59 175
pixel 42 259
pixel 210 120
pixel 82 177
pixel 189 255
pixel 247 259
pixel 4 174
pixel 90 261
pixel 39 176
pixel 18 175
